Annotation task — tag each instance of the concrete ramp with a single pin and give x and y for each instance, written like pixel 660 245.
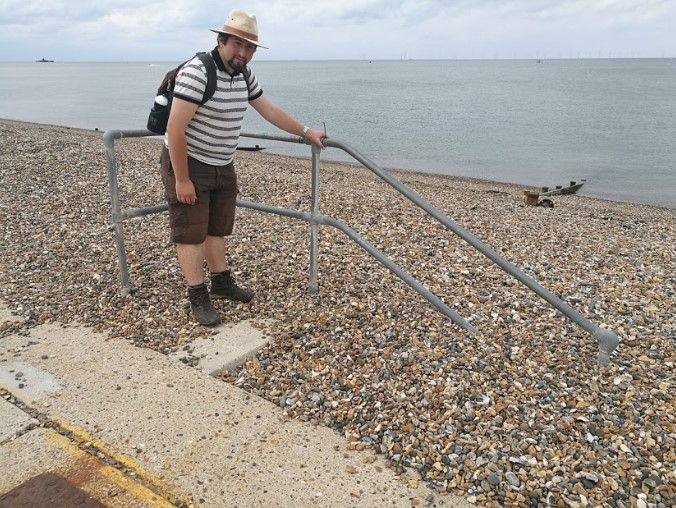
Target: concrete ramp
pixel 151 431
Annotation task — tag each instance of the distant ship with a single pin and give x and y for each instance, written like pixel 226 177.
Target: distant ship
pixel 43 60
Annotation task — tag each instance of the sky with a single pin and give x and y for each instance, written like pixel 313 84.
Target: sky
pixel 168 30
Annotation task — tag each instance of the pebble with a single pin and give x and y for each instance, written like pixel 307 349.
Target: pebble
pixel 518 414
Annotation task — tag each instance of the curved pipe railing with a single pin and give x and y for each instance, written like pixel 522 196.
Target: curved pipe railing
pixel 607 340
pixel 384 260
pixel 119 216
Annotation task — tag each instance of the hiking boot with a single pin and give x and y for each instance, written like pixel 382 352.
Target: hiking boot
pixel 201 307
pixel 224 286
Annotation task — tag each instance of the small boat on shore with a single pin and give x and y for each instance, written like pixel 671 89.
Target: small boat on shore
pixel 560 190
pixel 251 148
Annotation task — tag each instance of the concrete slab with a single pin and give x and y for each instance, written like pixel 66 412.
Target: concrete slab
pixel 190 434
pixel 230 347
pixel 12 421
pixel 30 455
pixel 46 451
pixel 32 383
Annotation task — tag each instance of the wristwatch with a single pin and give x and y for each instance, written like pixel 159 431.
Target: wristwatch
pixel 305 129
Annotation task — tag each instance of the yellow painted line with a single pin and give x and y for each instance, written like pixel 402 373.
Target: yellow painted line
pixel 134 489
pixel 161 488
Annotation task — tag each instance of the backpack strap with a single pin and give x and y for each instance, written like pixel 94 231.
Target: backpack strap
pixel 247 75
pixel 211 76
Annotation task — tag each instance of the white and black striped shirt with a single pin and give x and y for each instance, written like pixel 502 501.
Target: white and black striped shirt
pixel 213 133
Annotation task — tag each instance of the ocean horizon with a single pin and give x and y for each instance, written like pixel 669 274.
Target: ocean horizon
pixel 609 122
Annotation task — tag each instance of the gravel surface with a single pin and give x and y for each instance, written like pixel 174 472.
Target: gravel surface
pixel 518 414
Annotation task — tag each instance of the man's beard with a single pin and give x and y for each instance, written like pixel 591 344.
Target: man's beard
pixel 236 67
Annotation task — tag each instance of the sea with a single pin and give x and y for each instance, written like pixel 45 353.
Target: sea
pixel 608 122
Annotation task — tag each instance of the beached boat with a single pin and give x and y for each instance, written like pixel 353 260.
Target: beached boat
pixel 559 190
pixel 251 148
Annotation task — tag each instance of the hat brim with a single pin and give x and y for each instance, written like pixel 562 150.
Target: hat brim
pixel 239 35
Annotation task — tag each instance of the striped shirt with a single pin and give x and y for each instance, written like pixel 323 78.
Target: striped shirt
pixel 213 133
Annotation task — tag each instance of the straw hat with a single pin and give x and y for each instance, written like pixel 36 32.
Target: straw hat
pixel 242 25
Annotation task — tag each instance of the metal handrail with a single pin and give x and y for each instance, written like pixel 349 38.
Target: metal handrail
pixel 118 216
pixel 384 260
pixel 607 340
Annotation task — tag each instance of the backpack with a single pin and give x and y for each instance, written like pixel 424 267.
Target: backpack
pixel 159 113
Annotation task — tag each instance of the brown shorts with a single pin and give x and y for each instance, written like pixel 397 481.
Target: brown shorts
pixel 213 213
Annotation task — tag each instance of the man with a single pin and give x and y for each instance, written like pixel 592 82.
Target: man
pixel 197 160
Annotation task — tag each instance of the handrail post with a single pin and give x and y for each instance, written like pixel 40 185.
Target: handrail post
pixel 314 227
pixel 109 143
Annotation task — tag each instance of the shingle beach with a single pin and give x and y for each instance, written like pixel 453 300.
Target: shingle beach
pixel 518 414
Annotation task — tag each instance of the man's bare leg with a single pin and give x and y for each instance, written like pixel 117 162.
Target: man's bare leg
pixel 191 261
pixel 214 252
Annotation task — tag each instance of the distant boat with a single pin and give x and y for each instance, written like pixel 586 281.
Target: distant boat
pixel 43 60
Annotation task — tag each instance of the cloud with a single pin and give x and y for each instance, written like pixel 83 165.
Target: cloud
pixel 341 29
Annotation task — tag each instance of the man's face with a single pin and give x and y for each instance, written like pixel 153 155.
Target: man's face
pixel 237 53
